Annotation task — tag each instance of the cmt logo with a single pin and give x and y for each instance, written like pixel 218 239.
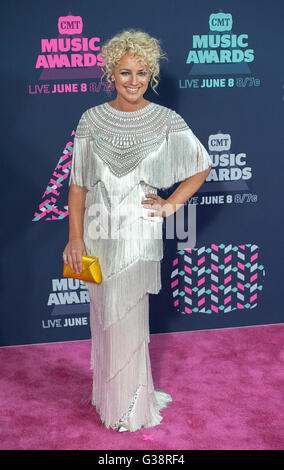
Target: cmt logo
pixel 219 142
pixel 70 24
pixel 220 22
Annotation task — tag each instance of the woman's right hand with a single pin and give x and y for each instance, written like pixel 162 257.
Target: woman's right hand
pixel 72 254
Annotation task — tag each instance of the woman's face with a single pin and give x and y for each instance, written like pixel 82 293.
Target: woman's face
pixel 131 78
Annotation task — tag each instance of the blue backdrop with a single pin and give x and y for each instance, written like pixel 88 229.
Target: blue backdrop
pixel 224 77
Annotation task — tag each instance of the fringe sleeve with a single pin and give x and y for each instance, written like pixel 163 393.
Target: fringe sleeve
pixel 79 169
pixel 186 155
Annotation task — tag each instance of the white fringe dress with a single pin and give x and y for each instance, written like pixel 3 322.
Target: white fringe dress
pixel 120 157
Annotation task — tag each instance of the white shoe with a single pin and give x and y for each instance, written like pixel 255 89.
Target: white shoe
pixel 122 428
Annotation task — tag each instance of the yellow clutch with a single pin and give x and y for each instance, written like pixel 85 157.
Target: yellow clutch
pixel 91 270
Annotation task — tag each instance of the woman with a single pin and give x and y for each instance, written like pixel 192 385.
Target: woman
pixel 124 150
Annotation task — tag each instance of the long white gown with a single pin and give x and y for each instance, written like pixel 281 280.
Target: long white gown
pixel 120 157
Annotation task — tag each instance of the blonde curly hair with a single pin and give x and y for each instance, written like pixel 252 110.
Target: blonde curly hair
pixel 136 42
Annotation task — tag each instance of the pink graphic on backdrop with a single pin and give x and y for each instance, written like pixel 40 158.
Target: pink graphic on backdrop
pixel 217 278
pixel 70 24
pixel 48 210
pixel 71 55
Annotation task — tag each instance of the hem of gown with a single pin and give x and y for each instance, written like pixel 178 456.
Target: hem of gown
pixel 157 399
pixel 160 400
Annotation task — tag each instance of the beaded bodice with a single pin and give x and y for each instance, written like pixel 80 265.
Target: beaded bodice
pixel 123 138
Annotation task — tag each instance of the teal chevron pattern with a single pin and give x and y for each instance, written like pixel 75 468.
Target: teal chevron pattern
pixel 48 208
pixel 217 279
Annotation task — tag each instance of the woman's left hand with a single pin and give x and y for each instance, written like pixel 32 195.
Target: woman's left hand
pixel 162 207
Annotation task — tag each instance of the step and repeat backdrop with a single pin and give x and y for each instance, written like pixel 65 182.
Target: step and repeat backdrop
pixel 224 76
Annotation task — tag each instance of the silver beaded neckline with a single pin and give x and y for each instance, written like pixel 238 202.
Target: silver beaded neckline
pixel 122 139
pixel 138 112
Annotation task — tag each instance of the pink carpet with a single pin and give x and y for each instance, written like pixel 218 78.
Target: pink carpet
pixel 227 388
